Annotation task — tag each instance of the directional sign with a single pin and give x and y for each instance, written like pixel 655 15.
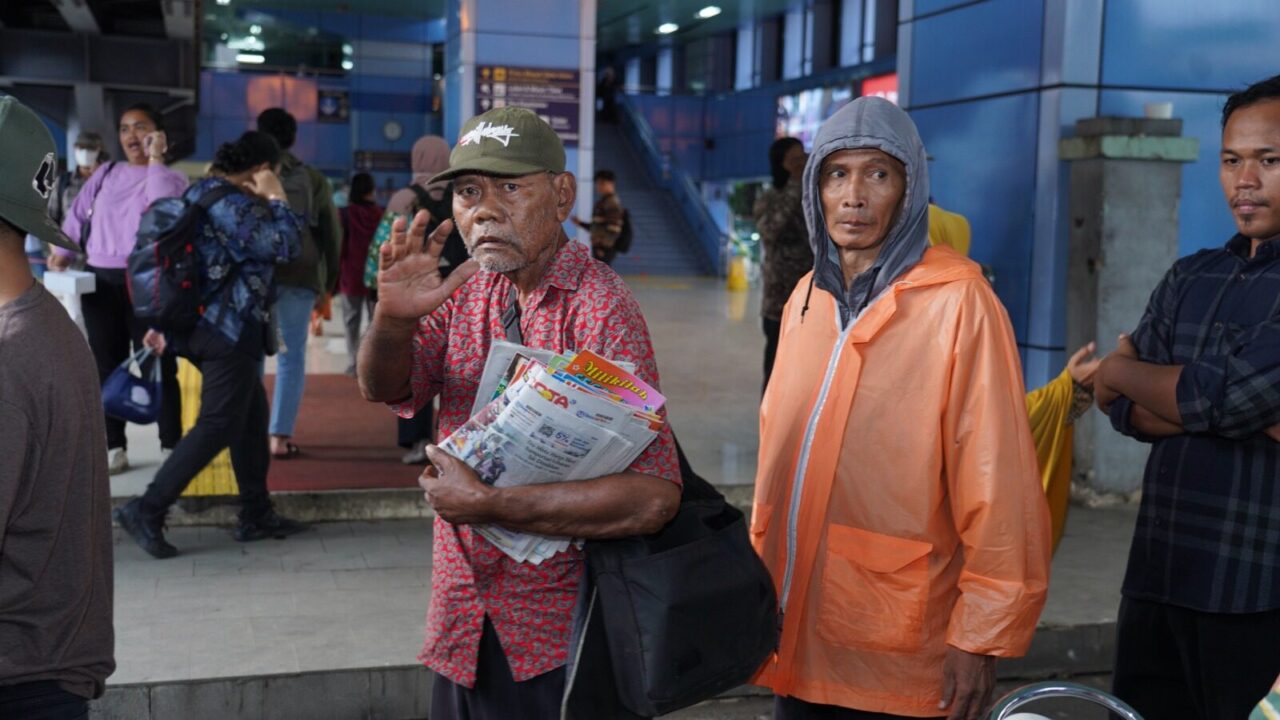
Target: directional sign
pixel 551 93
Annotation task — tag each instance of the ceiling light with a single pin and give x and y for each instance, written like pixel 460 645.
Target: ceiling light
pixel 224 2
pixel 667 28
pixel 709 11
pixel 247 42
pixel 250 59
pixel 347 49
pixel 348 65
pixel 255 29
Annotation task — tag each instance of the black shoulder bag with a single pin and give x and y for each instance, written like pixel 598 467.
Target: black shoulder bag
pixel 670 619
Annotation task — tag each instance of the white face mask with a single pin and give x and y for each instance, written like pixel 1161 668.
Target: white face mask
pixel 85 157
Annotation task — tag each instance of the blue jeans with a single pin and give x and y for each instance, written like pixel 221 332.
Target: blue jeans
pixel 293 312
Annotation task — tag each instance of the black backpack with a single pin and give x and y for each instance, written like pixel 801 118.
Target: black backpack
pixel 455 250
pixel 165 275
pixel 623 243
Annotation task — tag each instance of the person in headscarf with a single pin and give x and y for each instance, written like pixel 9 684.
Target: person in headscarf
pixel 898 502
pixel 430 158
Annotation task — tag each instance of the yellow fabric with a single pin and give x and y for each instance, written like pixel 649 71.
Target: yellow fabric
pixel 921 522
pixel 949 229
pixel 217 478
pixel 1048 409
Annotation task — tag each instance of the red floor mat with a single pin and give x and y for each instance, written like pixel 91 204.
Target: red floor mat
pixel 346 442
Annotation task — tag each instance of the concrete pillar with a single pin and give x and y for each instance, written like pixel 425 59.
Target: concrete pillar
pixel 526 35
pixel 1126 179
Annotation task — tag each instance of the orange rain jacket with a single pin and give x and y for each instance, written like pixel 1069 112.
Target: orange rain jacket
pixel 921 521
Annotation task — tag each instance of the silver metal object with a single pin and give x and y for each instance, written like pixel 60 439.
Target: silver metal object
pixel 1039 691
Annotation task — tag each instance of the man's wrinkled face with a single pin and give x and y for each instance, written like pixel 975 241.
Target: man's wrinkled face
pixel 1250 168
pixel 507 223
pixel 861 191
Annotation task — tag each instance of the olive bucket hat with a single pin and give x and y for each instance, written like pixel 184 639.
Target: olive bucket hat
pixel 505 141
pixel 30 167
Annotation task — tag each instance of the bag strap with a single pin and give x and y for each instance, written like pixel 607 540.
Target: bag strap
pixel 424 197
pixel 511 318
pixel 215 195
pixel 84 243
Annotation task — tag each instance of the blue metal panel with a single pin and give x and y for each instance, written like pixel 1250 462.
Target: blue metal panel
pixel 538 18
pixel 388 66
pixel 324 145
pixel 227 93
pixel 377 27
pixel 985 168
pixel 1047 315
pixel 525 51
pixel 1190 44
pixel 977 50
pixel 927 7
pixel 1203 218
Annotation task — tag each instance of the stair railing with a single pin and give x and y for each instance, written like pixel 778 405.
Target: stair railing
pixel 665 170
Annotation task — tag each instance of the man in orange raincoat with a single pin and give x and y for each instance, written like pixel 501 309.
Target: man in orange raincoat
pixel 898 502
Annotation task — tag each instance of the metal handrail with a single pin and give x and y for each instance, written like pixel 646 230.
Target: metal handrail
pixel 1040 691
pixel 667 172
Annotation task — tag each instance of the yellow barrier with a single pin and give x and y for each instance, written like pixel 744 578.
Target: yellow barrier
pixel 217 478
pixel 737 280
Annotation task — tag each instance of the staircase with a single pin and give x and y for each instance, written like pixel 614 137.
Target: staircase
pixel 663 244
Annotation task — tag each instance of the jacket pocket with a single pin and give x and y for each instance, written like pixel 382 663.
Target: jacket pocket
pixel 874 590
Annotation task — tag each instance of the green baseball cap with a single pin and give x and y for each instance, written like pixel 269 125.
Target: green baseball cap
pixel 507 141
pixel 30 169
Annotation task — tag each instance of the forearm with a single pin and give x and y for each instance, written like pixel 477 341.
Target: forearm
pixel 385 359
pixel 613 506
pixel 1153 387
pixel 1151 424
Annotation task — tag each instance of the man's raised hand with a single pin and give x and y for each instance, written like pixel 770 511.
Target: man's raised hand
pixel 409 281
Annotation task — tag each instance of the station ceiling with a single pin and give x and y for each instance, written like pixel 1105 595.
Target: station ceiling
pixel 620 23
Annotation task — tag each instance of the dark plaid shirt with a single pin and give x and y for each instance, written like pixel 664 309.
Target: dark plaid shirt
pixel 1208 534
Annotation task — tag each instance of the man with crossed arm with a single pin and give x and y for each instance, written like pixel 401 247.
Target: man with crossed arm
pixel 1199 379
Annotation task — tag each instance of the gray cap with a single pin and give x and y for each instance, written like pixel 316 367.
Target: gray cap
pixel 30 167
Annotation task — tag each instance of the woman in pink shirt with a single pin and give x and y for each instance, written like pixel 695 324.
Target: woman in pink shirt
pixel 111 205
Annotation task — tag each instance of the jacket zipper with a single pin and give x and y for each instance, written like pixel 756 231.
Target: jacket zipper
pixel 797 486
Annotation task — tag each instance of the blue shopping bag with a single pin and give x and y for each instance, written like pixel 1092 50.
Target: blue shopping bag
pixel 129 397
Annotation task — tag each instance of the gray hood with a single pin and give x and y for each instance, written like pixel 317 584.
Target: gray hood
pixel 868 122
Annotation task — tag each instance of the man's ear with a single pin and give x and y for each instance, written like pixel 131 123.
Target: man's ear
pixel 566 188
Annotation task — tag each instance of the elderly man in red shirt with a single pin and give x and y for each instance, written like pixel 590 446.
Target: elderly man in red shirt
pixel 498 631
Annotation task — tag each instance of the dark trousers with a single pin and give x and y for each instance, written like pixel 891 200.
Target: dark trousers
pixel 41 700
pixel 111 326
pixel 496 695
pixel 1173 663
pixel 772 328
pixel 233 413
pixel 788 708
pixel 419 427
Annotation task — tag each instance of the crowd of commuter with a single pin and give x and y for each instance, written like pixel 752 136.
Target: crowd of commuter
pixel 909 495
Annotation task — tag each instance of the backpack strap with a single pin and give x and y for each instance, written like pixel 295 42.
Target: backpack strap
pixel 222 190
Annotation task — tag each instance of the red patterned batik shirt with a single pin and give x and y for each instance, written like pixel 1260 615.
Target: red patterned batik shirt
pixel 580 305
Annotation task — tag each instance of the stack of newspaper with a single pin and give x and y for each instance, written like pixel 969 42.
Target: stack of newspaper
pixel 552 418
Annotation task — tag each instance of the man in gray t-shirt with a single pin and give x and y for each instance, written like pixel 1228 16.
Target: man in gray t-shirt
pixel 56 640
